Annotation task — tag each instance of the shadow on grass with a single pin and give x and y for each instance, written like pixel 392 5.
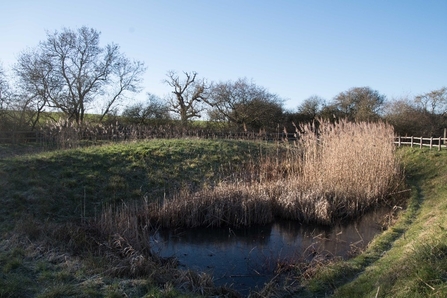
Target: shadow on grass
pixel 68 184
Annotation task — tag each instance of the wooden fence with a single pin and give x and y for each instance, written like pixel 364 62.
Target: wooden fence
pixel 56 139
pixel 420 142
pixel 19 137
pixel 67 138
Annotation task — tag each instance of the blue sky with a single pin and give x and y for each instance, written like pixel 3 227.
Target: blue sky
pixel 295 49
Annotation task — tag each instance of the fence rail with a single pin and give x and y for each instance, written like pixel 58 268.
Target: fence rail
pixel 57 138
pixel 420 142
pixel 69 138
pixel 18 137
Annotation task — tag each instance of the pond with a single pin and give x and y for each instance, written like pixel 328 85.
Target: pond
pixel 246 258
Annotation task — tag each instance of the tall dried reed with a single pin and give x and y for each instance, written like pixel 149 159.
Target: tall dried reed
pixel 124 232
pixel 124 235
pixel 65 133
pixel 346 167
pixel 334 171
pixel 239 204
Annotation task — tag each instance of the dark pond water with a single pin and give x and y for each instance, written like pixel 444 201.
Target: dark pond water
pixel 247 258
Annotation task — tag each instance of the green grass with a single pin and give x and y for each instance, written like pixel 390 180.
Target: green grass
pixel 45 250
pixel 62 185
pixel 410 258
pixel 45 196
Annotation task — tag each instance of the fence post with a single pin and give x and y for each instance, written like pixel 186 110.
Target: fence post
pixel 411 142
pixel 431 142
pixel 445 134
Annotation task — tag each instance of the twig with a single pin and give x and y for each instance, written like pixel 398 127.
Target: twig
pixel 377 293
pixel 398 192
pixel 425 283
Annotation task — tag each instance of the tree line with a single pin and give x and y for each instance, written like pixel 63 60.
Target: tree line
pixel 71 73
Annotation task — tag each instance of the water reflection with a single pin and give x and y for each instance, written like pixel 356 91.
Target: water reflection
pixel 247 258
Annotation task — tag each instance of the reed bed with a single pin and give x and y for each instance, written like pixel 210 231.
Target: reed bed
pixel 333 171
pixel 123 233
pixel 65 134
pixel 346 168
pixel 226 204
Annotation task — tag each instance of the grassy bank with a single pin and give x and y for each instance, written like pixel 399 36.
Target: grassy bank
pixel 57 207
pixel 407 260
pixel 52 245
pixel 68 184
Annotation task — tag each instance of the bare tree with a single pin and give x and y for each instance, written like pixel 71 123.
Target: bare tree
pixel 311 107
pixel 126 77
pixel 360 104
pixel 245 104
pixel 71 72
pixel 4 90
pixel 188 95
pixel 410 119
pixel 226 96
pixel 434 102
pixel 15 111
pixel 5 99
pixel 35 86
pixel 153 109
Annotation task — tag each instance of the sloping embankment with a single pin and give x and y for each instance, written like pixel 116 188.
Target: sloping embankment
pixel 410 258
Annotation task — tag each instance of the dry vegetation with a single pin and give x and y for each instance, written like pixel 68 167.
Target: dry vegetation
pixel 328 174
pixel 66 134
pixel 333 172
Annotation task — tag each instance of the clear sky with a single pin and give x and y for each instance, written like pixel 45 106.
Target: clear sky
pixel 295 49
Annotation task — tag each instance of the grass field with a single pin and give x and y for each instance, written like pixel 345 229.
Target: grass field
pixel 51 201
pixel 48 250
